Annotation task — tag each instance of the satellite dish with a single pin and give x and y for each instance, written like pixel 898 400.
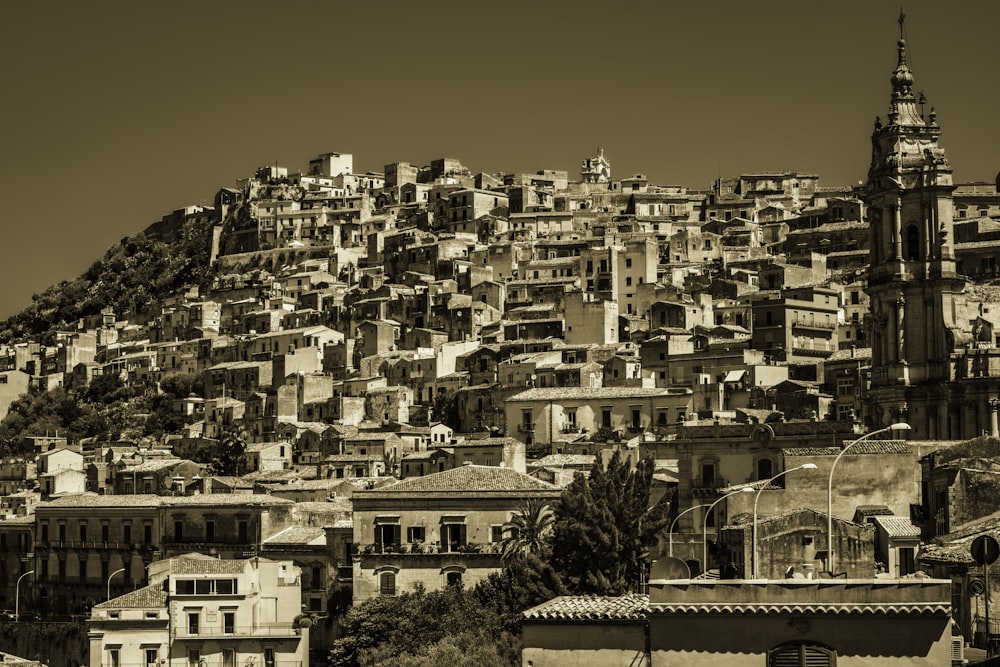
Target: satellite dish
pixel 668 568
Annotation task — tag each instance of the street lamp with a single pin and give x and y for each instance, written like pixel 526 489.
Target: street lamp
pixel 670 532
pixel 753 550
pixel 110 578
pixel 708 513
pixel 901 426
pixel 17 595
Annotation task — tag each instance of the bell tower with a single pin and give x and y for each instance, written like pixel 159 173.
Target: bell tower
pixel 912 280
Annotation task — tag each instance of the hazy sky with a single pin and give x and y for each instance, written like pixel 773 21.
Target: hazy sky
pixel 115 113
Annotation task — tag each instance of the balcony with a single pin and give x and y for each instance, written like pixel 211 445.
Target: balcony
pixel 804 323
pixel 571 428
pixel 94 544
pixel 526 427
pixel 256 630
pixel 417 548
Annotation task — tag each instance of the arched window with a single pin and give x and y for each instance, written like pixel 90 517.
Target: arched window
pixel 801 654
pixel 912 242
pixel 454 578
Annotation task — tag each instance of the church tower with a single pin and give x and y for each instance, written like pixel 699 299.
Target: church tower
pixel 914 288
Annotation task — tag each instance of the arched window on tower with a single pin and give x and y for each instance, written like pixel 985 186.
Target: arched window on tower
pixel 912 242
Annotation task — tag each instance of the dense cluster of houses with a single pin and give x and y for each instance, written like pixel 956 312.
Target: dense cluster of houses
pixel 411 355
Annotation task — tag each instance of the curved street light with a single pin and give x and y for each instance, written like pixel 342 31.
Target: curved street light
pixel 708 513
pixel 901 426
pixel 670 551
pixel 753 550
pixel 110 578
pixel 17 595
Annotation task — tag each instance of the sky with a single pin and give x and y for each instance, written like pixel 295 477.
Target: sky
pixel 114 114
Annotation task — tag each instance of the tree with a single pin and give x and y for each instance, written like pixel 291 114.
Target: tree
pixel 389 628
pixel 604 527
pixel 228 459
pixel 528 530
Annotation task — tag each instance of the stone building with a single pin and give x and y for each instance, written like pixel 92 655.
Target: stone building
pixel 932 367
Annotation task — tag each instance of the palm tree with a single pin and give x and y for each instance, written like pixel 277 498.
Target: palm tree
pixel 527 532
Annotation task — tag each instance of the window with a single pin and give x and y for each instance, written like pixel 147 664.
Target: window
pixel 151 657
pixel 496 533
pixel 147 532
pixel 105 530
pixel 242 528
pixel 606 417
pixel 453 536
pixel 415 534
pixel 210 531
pixel 178 531
pixel 765 468
pixel 269 657
pixel 801 655
pixel 387 534
pixel 193 623
pixel 228 657
pixel 912 242
pixel 45 531
pixel 62 532
pixel 454 579
pixel 229 622
pixel 114 657
pixel 708 474
pixel 387 583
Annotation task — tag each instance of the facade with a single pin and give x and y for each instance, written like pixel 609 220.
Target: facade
pixel 200 611
pixel 437 529
pixel 930 365
pixel 539 416
pixel 819 623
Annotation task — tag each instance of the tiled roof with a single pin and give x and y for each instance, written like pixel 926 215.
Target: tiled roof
pixel 483 442
pixel 839 609
pixel 583 393
pixel 897 526
pixel 147 596
pixel 465 479
pixel 591 608
pixel 867 447
pixel 299 535
pixel 562 460
pixel 185 565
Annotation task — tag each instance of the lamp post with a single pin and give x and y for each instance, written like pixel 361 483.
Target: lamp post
pixel 17 595
pixel 901 426
pixel 670 551
pixel 753 549
pixel 110 577
pixel 708 513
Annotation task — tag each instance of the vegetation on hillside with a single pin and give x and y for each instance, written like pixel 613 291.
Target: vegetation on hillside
pixel 134 275
pixel 106 408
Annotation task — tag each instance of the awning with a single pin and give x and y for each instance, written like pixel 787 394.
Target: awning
pixel 734 376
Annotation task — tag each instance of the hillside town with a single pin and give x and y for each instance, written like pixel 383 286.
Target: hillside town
pixel 400 362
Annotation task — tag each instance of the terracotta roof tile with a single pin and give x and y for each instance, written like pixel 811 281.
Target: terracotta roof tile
pixel 466 478
pixel 591 608
pixel 147 596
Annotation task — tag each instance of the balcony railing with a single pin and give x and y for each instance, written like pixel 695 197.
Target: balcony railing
pixel 258 630
pixel 209 660
pixel 525 427
pixel 418 549
pixel 93 544
pixel 570 428
pixel 811 324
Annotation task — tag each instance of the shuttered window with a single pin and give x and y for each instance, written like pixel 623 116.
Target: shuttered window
pixel 802 655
